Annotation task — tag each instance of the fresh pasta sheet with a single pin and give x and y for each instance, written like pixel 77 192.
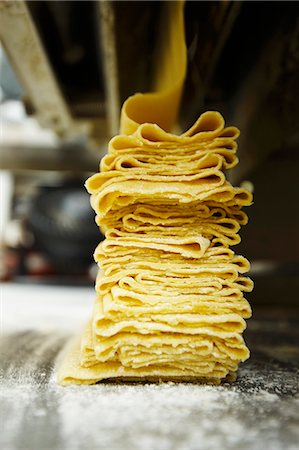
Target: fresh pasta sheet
pixel 170 289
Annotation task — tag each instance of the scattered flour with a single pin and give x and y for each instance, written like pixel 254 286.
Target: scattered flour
pixel 171 416
pixel 166 416
pixel 37 414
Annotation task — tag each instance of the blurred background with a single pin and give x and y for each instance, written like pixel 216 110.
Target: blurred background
pixel 65 69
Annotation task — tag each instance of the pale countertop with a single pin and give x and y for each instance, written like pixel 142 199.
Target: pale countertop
pixel 259 410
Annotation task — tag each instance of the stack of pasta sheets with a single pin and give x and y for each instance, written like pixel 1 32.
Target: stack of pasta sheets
pixel 170 290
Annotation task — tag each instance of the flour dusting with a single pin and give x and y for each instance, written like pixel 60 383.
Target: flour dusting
pixel 258 411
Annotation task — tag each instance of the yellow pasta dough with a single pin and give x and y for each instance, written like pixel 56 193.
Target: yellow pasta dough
pixel 170 291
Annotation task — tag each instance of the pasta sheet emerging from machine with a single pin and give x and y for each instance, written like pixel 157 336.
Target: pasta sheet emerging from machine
pixel 170 290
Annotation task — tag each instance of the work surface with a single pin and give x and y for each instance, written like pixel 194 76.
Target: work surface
pixel 259 410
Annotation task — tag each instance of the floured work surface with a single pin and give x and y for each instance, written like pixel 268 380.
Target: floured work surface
pixel 259 410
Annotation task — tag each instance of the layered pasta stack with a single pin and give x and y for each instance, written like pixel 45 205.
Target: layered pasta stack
pixel 170 290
